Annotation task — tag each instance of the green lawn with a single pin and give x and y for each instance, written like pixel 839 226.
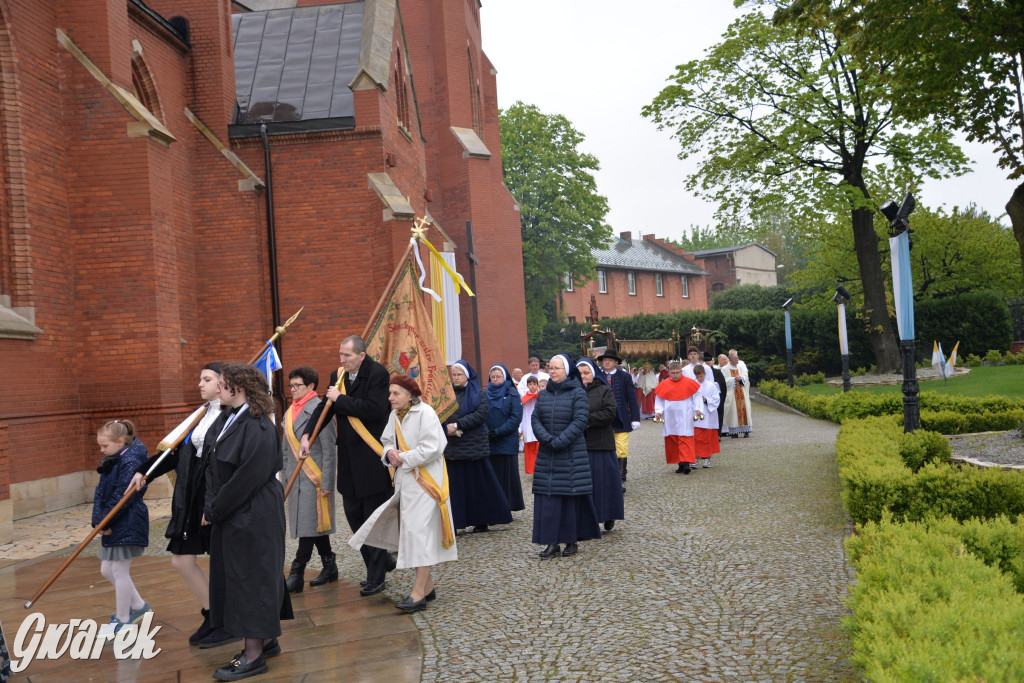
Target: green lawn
pixel 1007 380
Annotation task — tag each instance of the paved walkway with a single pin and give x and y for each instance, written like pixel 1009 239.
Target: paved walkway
pixel 734 573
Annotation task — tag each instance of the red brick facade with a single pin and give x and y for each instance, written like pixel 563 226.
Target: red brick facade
pixel 141 261
pixel 617 302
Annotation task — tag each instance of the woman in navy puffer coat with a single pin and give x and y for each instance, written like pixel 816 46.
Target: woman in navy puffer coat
pixel 563 509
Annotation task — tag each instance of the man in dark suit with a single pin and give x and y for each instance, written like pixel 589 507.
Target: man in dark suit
pixel 363 480
pixel 720 381
pixel 627 410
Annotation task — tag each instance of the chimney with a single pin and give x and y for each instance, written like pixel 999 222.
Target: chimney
pixel 628 236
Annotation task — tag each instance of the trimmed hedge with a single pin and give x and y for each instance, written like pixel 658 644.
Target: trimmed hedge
pixel 942 413
pixel 980 321
pixel 929 603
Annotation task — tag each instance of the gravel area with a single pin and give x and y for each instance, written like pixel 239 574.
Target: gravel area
pixel 1000 448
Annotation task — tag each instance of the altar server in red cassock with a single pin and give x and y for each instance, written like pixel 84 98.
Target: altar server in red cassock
pixel 676 400
pixel 705 423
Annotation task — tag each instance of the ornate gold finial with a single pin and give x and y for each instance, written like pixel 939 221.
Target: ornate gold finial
pixel 419 228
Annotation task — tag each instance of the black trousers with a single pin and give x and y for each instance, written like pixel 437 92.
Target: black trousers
pixel 305 549
pixel 357 510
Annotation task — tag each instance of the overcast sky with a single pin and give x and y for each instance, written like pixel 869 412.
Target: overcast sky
pixel 597 62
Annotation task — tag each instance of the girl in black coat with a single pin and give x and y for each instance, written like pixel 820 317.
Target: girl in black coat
pixel 475 494
pixel 189 538
pixel 563 510
pixel 245 506
pixel 127 534
pixel 600 437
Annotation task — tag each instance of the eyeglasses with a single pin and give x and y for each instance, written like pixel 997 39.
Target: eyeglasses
pixel 293 387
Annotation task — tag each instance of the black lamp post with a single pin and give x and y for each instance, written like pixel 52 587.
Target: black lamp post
pixel 841 297
pixel 903 295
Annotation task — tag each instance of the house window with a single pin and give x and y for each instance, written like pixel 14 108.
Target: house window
pixel 686 286
pixel 717 287
pixel 602 281
pixel 632 283
pixel 572 318
pixel 568 282
pixel 659 288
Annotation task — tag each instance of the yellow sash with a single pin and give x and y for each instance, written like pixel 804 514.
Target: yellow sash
pixel 312 471
pixel 427 483
pixel 360 428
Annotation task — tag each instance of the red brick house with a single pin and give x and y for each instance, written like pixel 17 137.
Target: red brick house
pixel 637 276
pixel 134 233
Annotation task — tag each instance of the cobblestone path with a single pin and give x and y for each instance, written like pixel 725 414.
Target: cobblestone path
pixel 733 573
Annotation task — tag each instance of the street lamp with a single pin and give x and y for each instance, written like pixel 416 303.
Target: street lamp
pixel 903 295
pixel 841 297
pixel 789 344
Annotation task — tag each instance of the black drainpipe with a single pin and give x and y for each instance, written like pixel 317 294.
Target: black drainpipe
pixel 275 304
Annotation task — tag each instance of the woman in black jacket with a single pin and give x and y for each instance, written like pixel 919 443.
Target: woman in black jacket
pixel 600 437
pixel 563 510
pixel 245 507
pixel 189 538
pixel 475 494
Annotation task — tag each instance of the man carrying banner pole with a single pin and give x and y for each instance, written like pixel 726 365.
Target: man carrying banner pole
pixel 360 405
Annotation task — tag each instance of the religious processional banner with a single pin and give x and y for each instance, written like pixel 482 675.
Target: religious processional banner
pixel 402 340
pixel 902 284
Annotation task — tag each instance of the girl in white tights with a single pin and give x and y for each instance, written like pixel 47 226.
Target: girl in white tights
pixel 127 534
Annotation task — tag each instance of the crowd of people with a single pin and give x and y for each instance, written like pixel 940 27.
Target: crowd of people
pixel 409 483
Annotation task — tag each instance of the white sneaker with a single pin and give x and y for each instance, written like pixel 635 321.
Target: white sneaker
pixel 707 462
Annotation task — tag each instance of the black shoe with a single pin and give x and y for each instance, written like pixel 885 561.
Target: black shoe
pixel 735 436
pixel 686 468
pixel 217 638
pixel 329 573
pixel 392 563
pixel 680 469
pixel 239 668
pixel 551 551
pixel 432 595
pixel 409 605
pixel 270 649
pixel 570 549
pixel 746 434
pixel 480 529
pixel 204 629
pixel 296 577
pixel 373 589
pixel 609 525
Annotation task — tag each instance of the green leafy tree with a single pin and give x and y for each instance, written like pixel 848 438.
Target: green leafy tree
pixel 958 62
pixel 953 253
pixel 561 213
pixel 784 119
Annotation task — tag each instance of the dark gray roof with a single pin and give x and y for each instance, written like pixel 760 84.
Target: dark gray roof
pixel 729 250
pixel 293 67
pixel 644 255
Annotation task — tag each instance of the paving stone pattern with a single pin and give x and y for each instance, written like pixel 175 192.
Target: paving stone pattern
pixel 733 573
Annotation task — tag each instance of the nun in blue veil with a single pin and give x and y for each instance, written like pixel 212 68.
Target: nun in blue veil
pixel 600 438
pixel 476 496
pixel 504 413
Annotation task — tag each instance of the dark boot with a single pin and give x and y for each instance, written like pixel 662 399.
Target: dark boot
pixel 296 577
pixel 329 573
pixel 622 468
pixel 204 629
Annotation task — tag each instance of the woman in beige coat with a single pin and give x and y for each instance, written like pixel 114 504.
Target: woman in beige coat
pixel 416 520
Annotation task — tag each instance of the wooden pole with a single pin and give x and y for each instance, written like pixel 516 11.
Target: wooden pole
pixel 193 421
pixel 197 417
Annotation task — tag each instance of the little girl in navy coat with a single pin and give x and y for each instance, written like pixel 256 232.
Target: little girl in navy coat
pixel 127 534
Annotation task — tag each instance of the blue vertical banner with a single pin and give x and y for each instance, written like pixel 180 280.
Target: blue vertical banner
pixel 902 284
pixel 789 333
pixel 844 342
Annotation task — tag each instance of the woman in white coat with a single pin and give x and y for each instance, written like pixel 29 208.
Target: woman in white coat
pixel 416 520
